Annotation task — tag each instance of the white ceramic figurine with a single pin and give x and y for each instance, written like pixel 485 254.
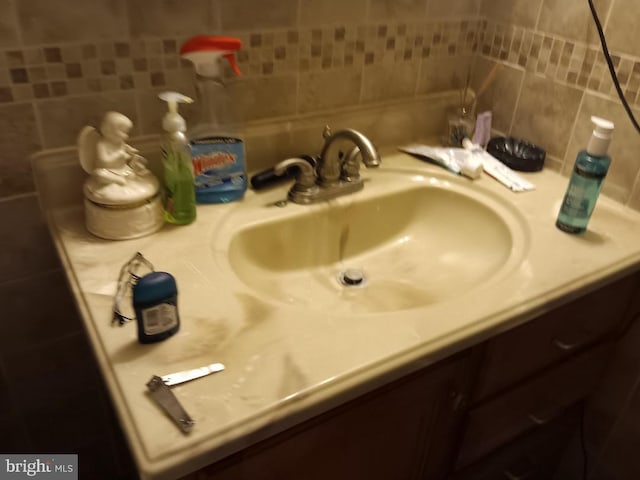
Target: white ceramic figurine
pixel 121 194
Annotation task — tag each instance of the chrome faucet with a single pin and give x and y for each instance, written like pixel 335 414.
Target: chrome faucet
pixel 336 173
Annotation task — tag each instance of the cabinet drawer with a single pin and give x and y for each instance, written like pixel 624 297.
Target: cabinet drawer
pixel 531 404
pixel 523 351
pixel 534 456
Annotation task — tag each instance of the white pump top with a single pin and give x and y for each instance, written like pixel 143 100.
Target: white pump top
pixel 172 120
pixel 601 137
pixel 207 63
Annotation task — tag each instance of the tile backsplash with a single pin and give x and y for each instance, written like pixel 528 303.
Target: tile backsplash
pixel 552 77
pixel 62 68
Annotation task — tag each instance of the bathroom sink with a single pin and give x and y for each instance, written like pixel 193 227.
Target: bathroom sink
pixel 406 241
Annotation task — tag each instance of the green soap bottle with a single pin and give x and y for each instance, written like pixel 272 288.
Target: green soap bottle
pixel 179 198
pixel 586 180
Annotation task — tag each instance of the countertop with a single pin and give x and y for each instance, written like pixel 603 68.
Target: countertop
pixel 285 363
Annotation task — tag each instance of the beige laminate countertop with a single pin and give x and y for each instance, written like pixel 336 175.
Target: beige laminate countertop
pixel 287 363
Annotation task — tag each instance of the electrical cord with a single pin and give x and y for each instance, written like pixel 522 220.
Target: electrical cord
pixel 612 69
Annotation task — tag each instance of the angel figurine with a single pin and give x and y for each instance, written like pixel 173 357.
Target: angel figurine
pixel 118 174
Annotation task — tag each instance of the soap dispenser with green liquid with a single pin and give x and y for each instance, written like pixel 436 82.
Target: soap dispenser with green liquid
pixel 179 198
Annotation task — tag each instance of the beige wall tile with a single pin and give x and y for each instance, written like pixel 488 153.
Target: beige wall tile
pixel 264 151
pixel 516 12
pixel 622 29
pixel 166 18
pixel 63 118
pixel 623 150
pixel 389 81
pixel 445 73
pixel 44 21
pixel 8 30
pixel 572 19
pixel 546 113
pixel 391 127
pixel 453 8
pixel 258 14
pixel 553 163
pixel 18 140
pixel 329 89
pixel 314 12
pixel 501 92
pixel 386 126
pixel 259 98
pixel 397 9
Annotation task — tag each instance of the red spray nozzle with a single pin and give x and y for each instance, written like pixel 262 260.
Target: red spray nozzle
pixel 202 49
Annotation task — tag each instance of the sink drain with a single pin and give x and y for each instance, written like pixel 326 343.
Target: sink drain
pixel 352 277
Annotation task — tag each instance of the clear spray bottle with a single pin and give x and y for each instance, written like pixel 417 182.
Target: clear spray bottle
pixel 586 180
pixel 217 150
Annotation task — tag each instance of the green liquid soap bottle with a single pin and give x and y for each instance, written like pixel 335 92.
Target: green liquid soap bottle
pixel 179 192
pixel 586 180
pixel 217 151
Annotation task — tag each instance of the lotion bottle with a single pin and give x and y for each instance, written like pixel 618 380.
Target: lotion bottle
pixel 179 192
pixel 590 168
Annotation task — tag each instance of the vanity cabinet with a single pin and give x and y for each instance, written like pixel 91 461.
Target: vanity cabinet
pixel 402 430
pixel 532 375
pixel 504 409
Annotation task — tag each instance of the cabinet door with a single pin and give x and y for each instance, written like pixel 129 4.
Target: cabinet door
pixel 556 335
pixel 397 431
pixel 534 456
pixel 531 404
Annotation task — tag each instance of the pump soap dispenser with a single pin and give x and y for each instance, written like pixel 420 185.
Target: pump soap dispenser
pixel 179 192
pixel 217 150
pixel 588 174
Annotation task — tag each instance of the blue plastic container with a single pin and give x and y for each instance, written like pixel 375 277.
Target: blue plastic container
pixel 155 300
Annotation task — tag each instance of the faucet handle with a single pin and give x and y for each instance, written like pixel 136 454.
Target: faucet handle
pixel 305 179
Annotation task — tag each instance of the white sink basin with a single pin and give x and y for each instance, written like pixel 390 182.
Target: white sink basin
pixel 415 239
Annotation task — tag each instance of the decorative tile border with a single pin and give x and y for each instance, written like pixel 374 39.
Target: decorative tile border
pixel 76 69
pixel 72 69
pixel 565 61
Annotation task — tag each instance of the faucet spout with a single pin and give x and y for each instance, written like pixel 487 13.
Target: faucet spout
pixel 336 171
pixel 330 165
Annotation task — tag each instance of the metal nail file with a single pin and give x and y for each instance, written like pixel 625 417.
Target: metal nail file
pixel 170 404
pixel 188 375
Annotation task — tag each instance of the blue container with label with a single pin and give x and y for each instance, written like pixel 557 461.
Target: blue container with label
pixel 218 165
pixel 155 300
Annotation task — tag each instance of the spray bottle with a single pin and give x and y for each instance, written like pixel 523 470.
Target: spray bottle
pixel 588 174
pixel 217 151
pixel 179 195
